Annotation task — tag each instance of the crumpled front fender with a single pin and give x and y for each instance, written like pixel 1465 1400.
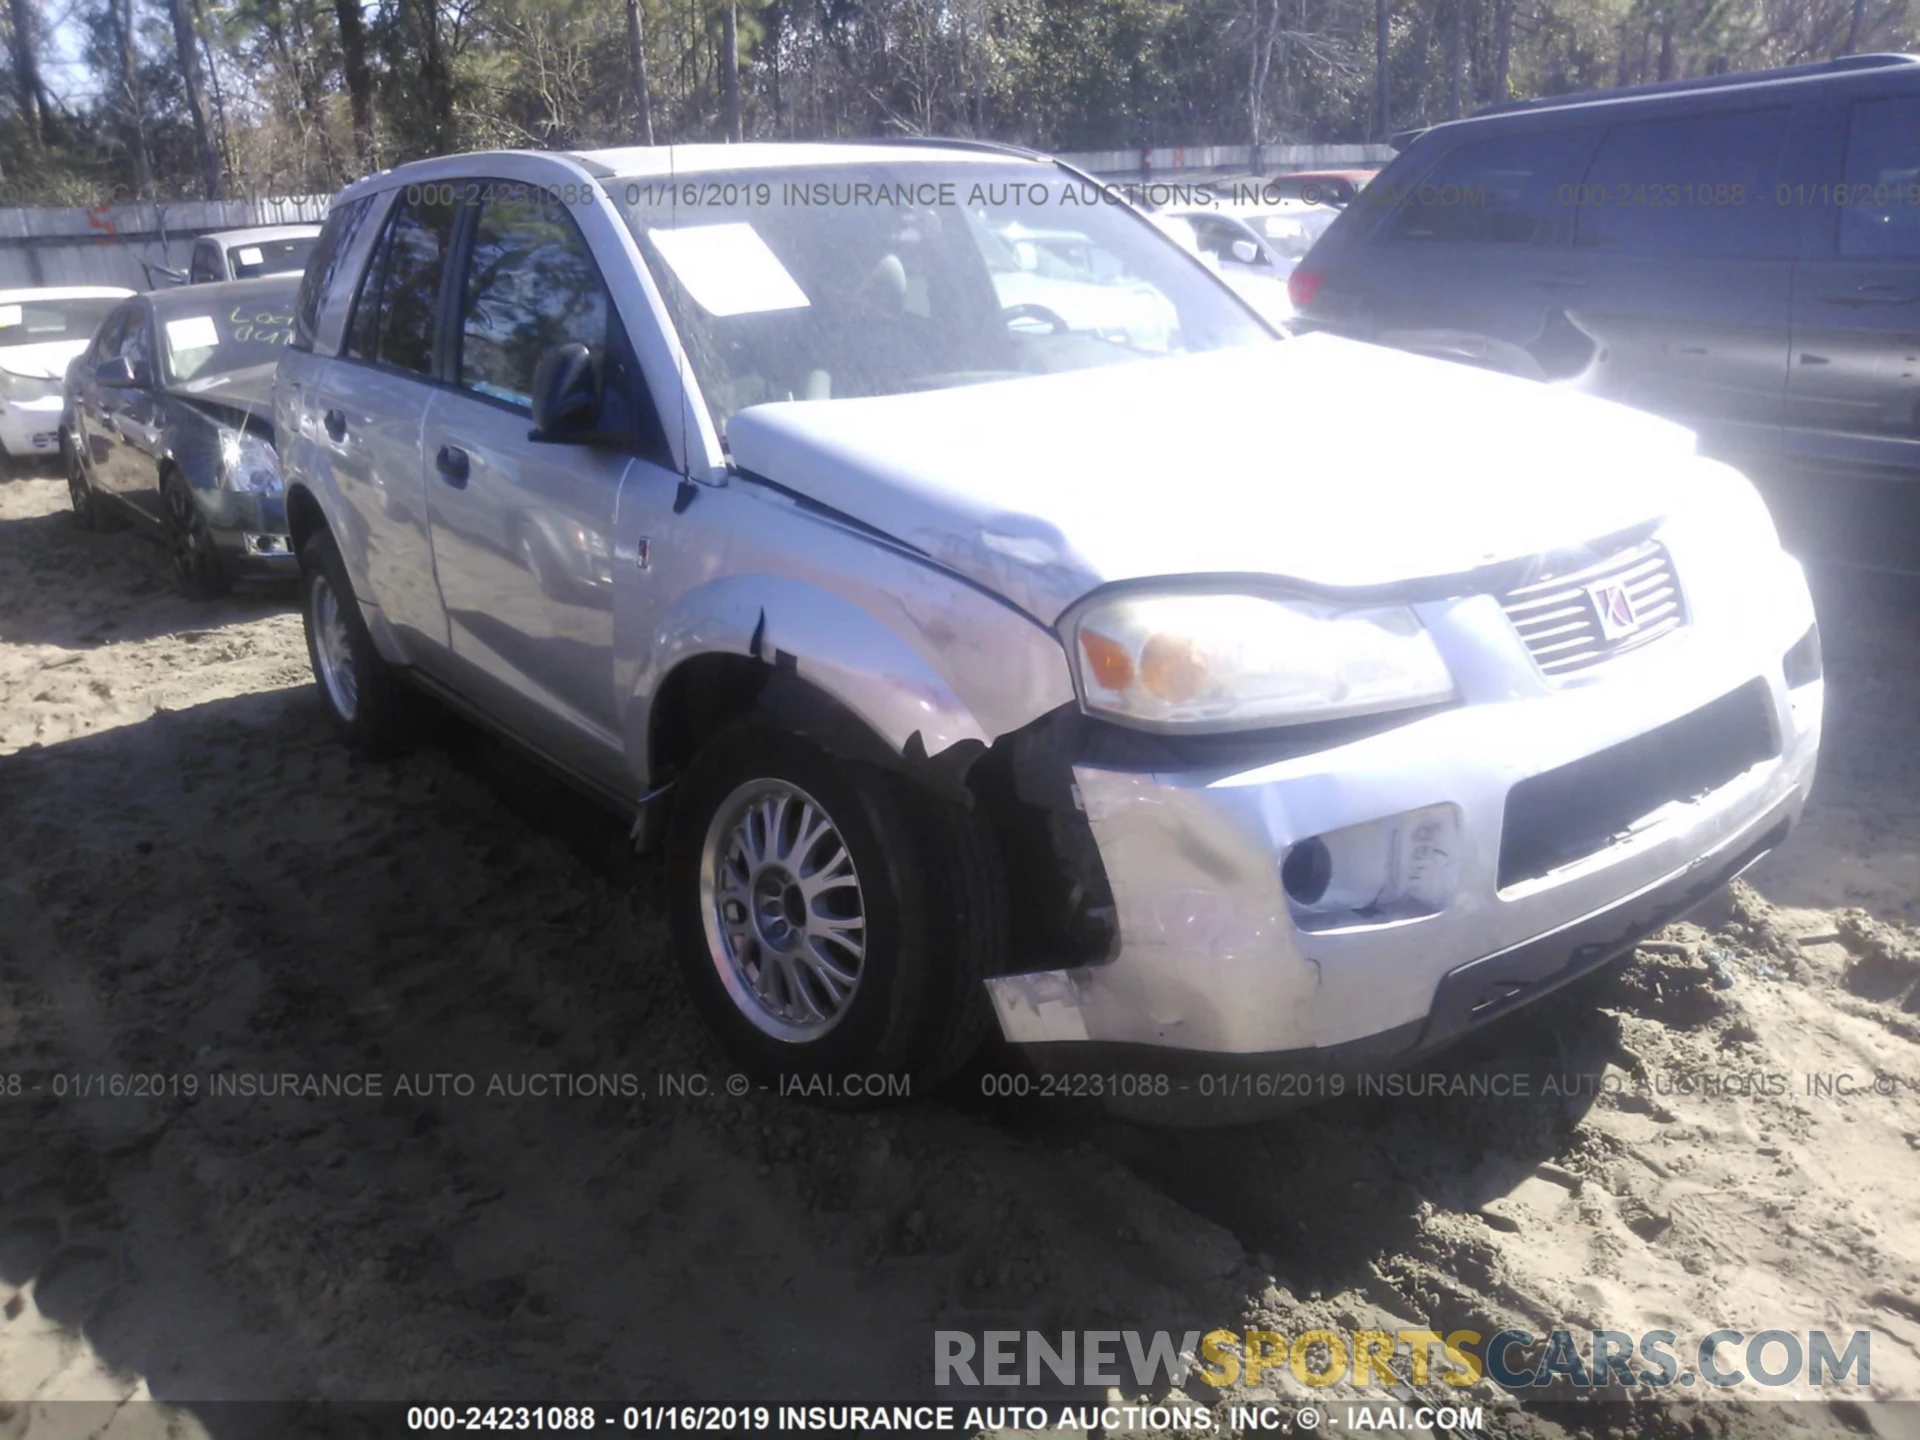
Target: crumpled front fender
pixel 947 665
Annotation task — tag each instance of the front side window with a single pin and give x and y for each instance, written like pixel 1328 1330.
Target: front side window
pixel 531 284
pixel 201 343
pixel 393 319
pixel 876 279
pixel 1504 190
pixel 330 250
pixel 1880 215
pixel 106 341
pixel 1701 185
pixel 134 347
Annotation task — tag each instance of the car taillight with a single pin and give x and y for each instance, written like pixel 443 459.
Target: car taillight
pixel 1302 286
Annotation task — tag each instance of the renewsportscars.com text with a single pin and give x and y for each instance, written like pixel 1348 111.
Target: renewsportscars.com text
pixel 1513 1359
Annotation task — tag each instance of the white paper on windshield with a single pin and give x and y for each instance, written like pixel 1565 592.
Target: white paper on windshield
pixel 250 255
pixel 729 270
pixel 196 332
pixel 10 315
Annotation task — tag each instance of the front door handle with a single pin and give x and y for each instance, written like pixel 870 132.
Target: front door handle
pixel 336 424
pixel 452 464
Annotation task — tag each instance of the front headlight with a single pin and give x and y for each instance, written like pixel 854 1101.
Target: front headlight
pixel 248 463
pixel 1211 661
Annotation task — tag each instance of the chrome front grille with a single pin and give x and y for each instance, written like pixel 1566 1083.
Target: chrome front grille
pixel 1575 619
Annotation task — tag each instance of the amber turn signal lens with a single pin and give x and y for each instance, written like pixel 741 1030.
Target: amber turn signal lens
pixel 1108 663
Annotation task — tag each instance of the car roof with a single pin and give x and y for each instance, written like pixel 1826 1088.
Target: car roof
pixel 665 162
pixel 64 292
pixel 262 234
pixel 1735 83
pixel 198 297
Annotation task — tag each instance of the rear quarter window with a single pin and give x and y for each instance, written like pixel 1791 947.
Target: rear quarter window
pixel 1502 189
pixel 323 267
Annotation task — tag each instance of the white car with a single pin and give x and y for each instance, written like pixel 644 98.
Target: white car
pixel 972 673
pixel 1061 280
pixel 1265 292
pixel 41 331
pixel 251 254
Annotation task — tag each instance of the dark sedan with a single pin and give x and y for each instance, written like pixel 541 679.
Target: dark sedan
pixel 169 421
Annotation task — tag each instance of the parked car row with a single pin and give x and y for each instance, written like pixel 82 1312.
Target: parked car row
pixel 169 424
pixel 862 555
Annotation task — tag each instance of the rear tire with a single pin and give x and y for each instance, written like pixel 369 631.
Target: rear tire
pixel 861 953
pixel 363 695
pixel 89 510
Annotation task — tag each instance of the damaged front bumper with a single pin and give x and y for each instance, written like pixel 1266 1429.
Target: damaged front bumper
pixel 1526 872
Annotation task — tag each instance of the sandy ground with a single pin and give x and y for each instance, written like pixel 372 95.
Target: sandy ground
pixel 196 880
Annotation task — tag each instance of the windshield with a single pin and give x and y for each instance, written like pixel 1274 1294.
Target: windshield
pixel 197 343
pixel 271 257
pixel 880 279
pixel 43 322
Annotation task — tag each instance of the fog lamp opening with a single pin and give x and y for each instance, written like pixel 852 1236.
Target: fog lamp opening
pixel 1399 867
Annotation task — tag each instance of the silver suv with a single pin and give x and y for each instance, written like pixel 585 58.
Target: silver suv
pixel 898 534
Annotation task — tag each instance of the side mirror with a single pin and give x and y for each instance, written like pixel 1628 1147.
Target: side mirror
pixel 118 374
pixel 566 394
pixel 1246 252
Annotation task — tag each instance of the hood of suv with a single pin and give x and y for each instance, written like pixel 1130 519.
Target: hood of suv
pixel 1042 489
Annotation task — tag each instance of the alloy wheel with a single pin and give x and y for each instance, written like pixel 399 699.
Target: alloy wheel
pixel 188 542
pixel 333 648
pixel 785 917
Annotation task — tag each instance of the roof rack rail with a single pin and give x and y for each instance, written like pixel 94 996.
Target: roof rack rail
pixel 950 142
pixel 1846 64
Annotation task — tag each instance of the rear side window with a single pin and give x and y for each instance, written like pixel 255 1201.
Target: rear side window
pixel 1881 206
pixel 1503 190
pixel 531 284
pixel 393 320
pixel 1701 185
pixel 323 267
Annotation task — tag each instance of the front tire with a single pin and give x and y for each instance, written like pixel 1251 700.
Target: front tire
pixel 197 566
pixel 362 694
pixel 833 922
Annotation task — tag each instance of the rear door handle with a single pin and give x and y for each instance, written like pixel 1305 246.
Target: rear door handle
pixel 453 466
pixel 1873 294
pixel 336 424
